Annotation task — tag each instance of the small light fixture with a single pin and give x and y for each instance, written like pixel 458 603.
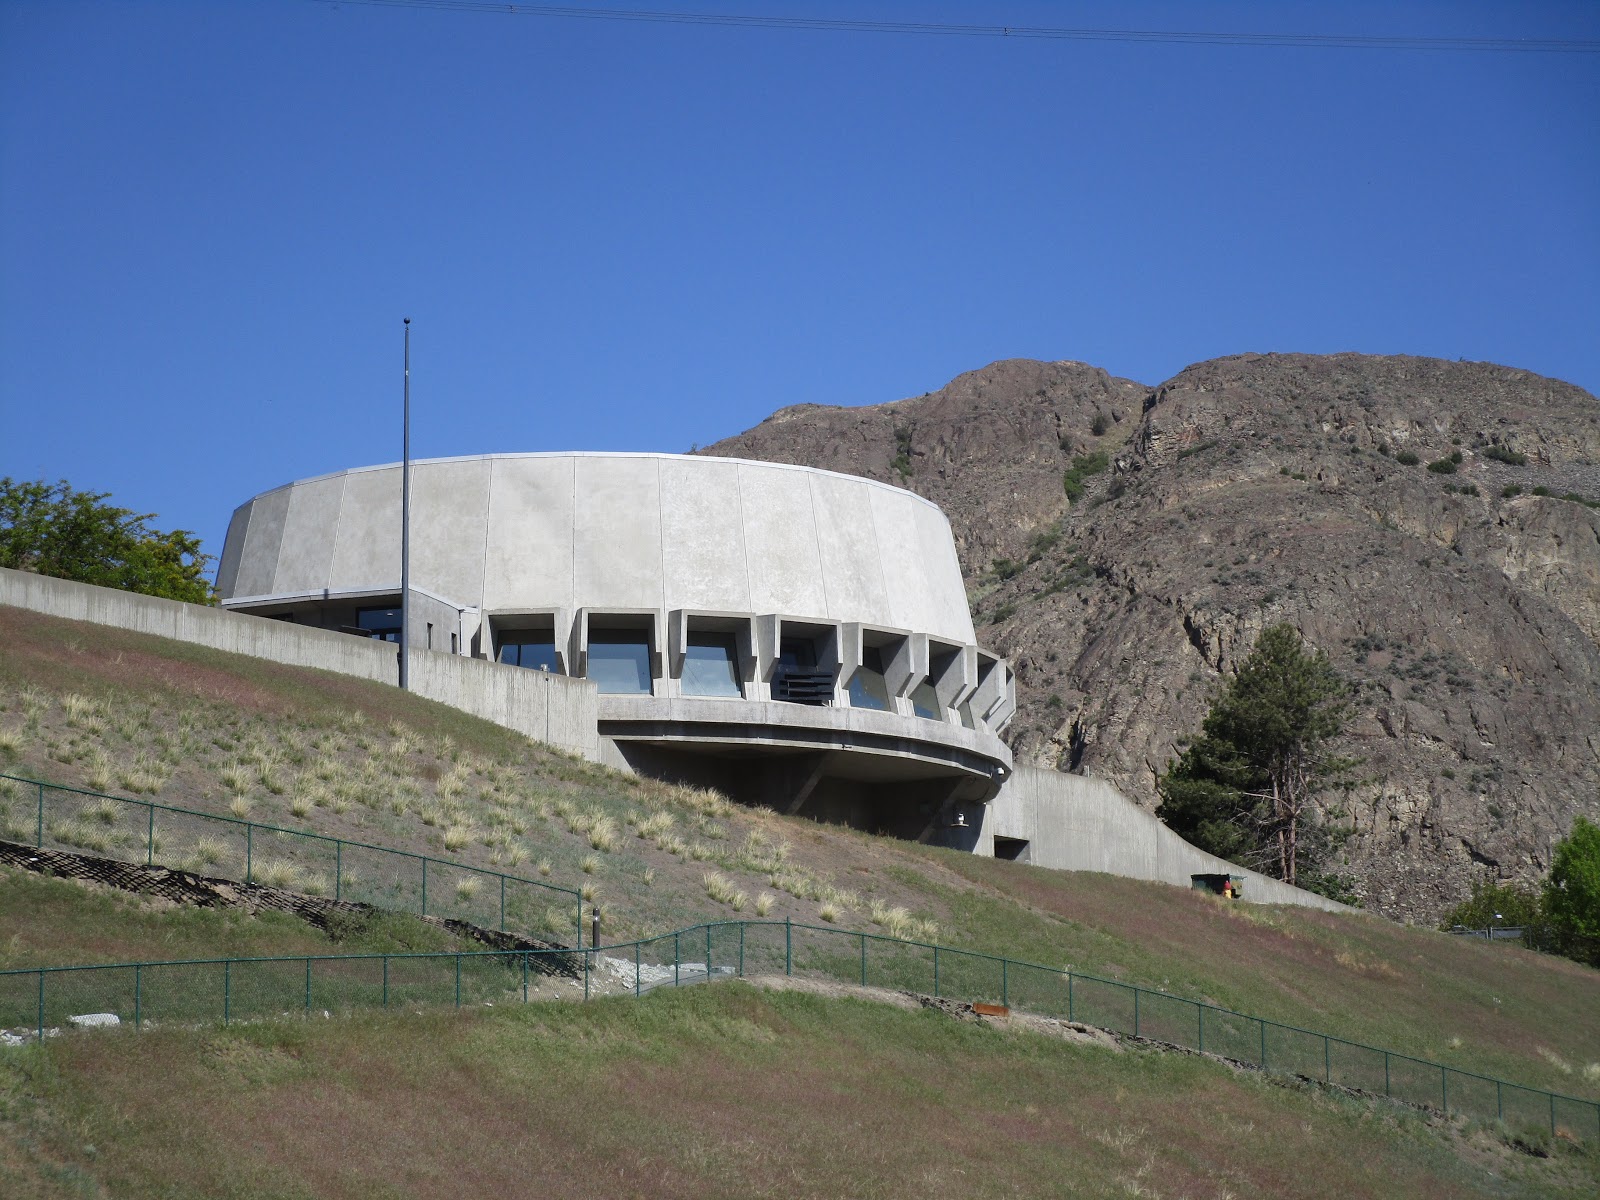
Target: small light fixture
pixel 961 820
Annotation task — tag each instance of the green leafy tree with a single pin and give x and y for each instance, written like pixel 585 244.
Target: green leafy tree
pixel 1572 894
pixel 1504 904
pixel 51 529
pixel 1245 788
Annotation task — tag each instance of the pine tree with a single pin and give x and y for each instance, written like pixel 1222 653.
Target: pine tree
pixel 1245 788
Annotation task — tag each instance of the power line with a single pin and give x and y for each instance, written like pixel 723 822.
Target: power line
pixel 1324 41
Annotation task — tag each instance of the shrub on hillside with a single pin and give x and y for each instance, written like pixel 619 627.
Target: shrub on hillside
pixel 1081 469
pixel 1506 455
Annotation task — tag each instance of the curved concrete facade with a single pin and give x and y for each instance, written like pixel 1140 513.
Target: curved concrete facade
pixel 838 602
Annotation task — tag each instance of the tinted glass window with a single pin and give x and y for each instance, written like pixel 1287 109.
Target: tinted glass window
pixel 619 661
pixel 381 623
pixel 799 654
pixel 710 666
pixel 867 686
pixel 925 702
pixel 537 651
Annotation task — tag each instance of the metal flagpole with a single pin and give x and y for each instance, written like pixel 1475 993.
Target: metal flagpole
pixel 405 522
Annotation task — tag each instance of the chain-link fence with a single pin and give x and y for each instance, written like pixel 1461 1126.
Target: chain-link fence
pixel 56 817
pixel 38 1001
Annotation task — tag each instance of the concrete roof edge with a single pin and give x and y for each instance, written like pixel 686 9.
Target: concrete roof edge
pixel 707 458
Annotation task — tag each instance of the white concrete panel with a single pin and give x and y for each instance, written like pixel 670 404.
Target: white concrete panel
pixel 313 521
pixel 852 563
pixel 617 532
pixel 449 515
pixel 528 560
pixel 232 550
pixel 947 613
pixel 258 563
pixel 781 541
pixel 367 549
pixel 905 573
pixel 703 534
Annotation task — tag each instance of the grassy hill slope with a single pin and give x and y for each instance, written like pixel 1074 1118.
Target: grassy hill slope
pixel 142 716
pixel 708 1092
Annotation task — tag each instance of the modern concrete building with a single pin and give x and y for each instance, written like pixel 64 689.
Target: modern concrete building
pixel 780 632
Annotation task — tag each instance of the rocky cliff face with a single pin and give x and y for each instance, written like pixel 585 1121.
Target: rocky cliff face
pixel 1262 488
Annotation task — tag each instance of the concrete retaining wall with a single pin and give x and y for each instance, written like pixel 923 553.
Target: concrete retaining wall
pixel 1074 823
pixel 550 708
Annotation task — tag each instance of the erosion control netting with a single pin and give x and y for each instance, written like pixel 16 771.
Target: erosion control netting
pixel 53 817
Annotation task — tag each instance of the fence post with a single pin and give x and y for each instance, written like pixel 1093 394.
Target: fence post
pixel 425 893
pixel 580 921
pixel 1327 1061
pixel 1385 1072
pixel 1135 1012
pixel 39 835
pixel 863 960
pixel 524 976
pixel 708 951
pixel 1005 982
pixel 249 850
pixel 41 1003
pixel 677 958
pixel 308 985
pixel 386 981
pixel 1200 1023
pixel 458 982
pixel 1444 1091
pixel 1499 1103
pixel 1263 1025
pixel 227 990
pixel 1552 1114
pixel 137 994
pixel 150 837
pixel 338 871
pixel 636 965
pixel 741 949
pixel 788 945
pixel 936 973
pixel 502 904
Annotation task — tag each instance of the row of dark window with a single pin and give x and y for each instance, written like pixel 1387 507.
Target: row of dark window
pixel 619 665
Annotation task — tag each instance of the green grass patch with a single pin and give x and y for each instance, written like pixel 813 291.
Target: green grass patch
pixel 1083 467
pixel 716 1092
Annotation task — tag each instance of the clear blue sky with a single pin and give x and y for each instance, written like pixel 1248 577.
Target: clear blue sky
pixel 619 235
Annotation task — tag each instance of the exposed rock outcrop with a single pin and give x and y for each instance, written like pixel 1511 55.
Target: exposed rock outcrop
pixel 1260 488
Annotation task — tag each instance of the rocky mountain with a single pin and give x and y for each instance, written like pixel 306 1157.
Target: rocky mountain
pixel 1434 526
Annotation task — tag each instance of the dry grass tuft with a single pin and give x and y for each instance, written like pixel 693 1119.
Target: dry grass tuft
pixel 467 887
pixel 656 826
pixel 457 836
pixel 764 903
pixel 102 809
pixel 604 835
pixel 719 887
pixel 279 873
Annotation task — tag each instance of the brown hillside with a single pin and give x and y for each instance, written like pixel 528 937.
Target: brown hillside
pixel 1254 489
